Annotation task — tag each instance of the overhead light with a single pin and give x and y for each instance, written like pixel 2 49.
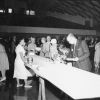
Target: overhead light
pixel 1 11
pixel 9 10
pixel 32 12
pixel 27 12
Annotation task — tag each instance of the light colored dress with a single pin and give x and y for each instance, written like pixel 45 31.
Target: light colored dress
pixel 97 55
pixel 53 51
pixel 47 47
pixel 4 63
pixel 20 70
pixel 43 50
pixel 32 47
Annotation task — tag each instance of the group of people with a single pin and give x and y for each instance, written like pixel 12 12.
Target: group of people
pixel 78 54
pixel 50 50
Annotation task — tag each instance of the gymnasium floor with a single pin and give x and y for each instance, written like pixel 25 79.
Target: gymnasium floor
pixel 9 91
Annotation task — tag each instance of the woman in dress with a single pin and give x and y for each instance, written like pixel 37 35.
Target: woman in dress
pixel 43 47
pixel 32 45
pixel 97 57
pixel 53 49
pixel 47 54
pixel 20 71
pixel 4 63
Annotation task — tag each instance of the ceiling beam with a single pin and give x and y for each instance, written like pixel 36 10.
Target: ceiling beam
pixel 77 9
pixel 68 10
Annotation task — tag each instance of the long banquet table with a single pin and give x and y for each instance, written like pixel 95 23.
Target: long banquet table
pixel 77 83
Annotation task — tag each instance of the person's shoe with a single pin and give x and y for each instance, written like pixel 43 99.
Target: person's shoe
pixel 19 85
pixel 28 86
pixel 2 79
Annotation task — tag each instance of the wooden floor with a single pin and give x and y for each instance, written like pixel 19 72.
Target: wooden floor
pixel 9 91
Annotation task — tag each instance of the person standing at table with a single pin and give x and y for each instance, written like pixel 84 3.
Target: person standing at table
pixel 53 49
pixel 47 54
pixel 43 47
pixel 4 63
pixel 32 45
pixel 20 71
pixel 80 53
pixel 32 48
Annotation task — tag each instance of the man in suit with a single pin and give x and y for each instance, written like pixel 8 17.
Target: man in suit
pixel 80 53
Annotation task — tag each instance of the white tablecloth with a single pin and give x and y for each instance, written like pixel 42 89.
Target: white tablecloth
pixel 77 83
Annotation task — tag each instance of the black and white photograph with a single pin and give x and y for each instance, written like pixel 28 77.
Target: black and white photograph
pixel 49 49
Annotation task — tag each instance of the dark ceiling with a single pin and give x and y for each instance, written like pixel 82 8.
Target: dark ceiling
pixel 84 8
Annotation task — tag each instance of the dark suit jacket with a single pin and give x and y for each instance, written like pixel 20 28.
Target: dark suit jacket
pixel 82 52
